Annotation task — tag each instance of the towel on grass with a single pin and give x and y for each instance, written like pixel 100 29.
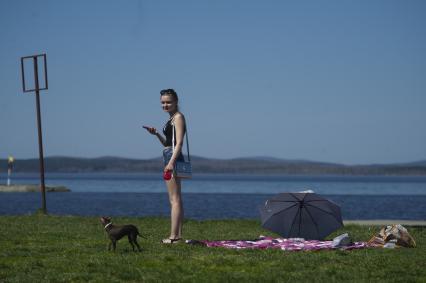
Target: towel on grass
pixel 291 244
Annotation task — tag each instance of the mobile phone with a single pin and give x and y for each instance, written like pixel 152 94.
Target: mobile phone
pixel 146 127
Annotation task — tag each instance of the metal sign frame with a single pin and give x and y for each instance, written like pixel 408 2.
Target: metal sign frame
pixel 35 59
pixel 40 136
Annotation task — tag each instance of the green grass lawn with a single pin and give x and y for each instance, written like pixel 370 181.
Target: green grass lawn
pixel 63 249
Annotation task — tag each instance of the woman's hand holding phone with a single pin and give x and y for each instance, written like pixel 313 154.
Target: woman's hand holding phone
pixel 151 130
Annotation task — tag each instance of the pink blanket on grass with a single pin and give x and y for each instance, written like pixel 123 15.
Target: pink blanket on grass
pixel 281 243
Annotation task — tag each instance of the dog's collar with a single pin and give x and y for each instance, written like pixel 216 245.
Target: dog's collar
pixel 106 226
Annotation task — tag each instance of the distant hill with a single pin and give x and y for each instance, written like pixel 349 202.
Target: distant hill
pixel 247 165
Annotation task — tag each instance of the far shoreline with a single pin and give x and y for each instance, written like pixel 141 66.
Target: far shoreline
pixel 242 166
pixel 203 175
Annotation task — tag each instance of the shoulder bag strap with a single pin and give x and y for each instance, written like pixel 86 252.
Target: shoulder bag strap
pixel 186 135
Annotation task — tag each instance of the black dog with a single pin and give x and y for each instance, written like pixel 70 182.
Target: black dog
pixel 116 232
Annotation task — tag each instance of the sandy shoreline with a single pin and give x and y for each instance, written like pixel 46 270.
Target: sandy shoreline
pixel 31 188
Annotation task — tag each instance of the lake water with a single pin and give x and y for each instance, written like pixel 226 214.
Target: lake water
pixel 217 196
pixel 236 184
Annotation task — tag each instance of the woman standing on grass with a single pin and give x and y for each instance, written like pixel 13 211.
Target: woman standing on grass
pixel 169 102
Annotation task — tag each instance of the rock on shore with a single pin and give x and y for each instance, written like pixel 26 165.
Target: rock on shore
pixel 31 188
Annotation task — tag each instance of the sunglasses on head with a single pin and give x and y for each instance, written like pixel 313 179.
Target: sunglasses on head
pixel 167 91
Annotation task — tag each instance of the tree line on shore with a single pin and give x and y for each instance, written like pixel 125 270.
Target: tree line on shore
pixel 207 165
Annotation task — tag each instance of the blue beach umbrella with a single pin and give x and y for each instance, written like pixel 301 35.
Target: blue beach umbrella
pixel 301 215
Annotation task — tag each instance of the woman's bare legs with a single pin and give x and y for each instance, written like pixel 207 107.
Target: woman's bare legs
pixel 175 198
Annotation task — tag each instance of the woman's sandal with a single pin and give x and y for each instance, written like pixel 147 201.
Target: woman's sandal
pixel 171 241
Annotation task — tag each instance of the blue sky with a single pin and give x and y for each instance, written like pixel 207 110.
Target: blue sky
pixel 335 81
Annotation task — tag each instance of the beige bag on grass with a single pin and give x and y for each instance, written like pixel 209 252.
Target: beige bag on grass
pixel 393 233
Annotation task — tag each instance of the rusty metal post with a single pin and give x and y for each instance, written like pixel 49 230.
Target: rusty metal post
pixel 40 137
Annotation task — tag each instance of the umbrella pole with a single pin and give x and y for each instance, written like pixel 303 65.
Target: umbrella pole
pixel 292 223
pixel 315 224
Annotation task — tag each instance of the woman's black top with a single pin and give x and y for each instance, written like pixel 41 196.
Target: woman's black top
pixel 168 132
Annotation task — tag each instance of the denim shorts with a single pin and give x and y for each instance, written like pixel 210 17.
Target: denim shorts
pixel 167 154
